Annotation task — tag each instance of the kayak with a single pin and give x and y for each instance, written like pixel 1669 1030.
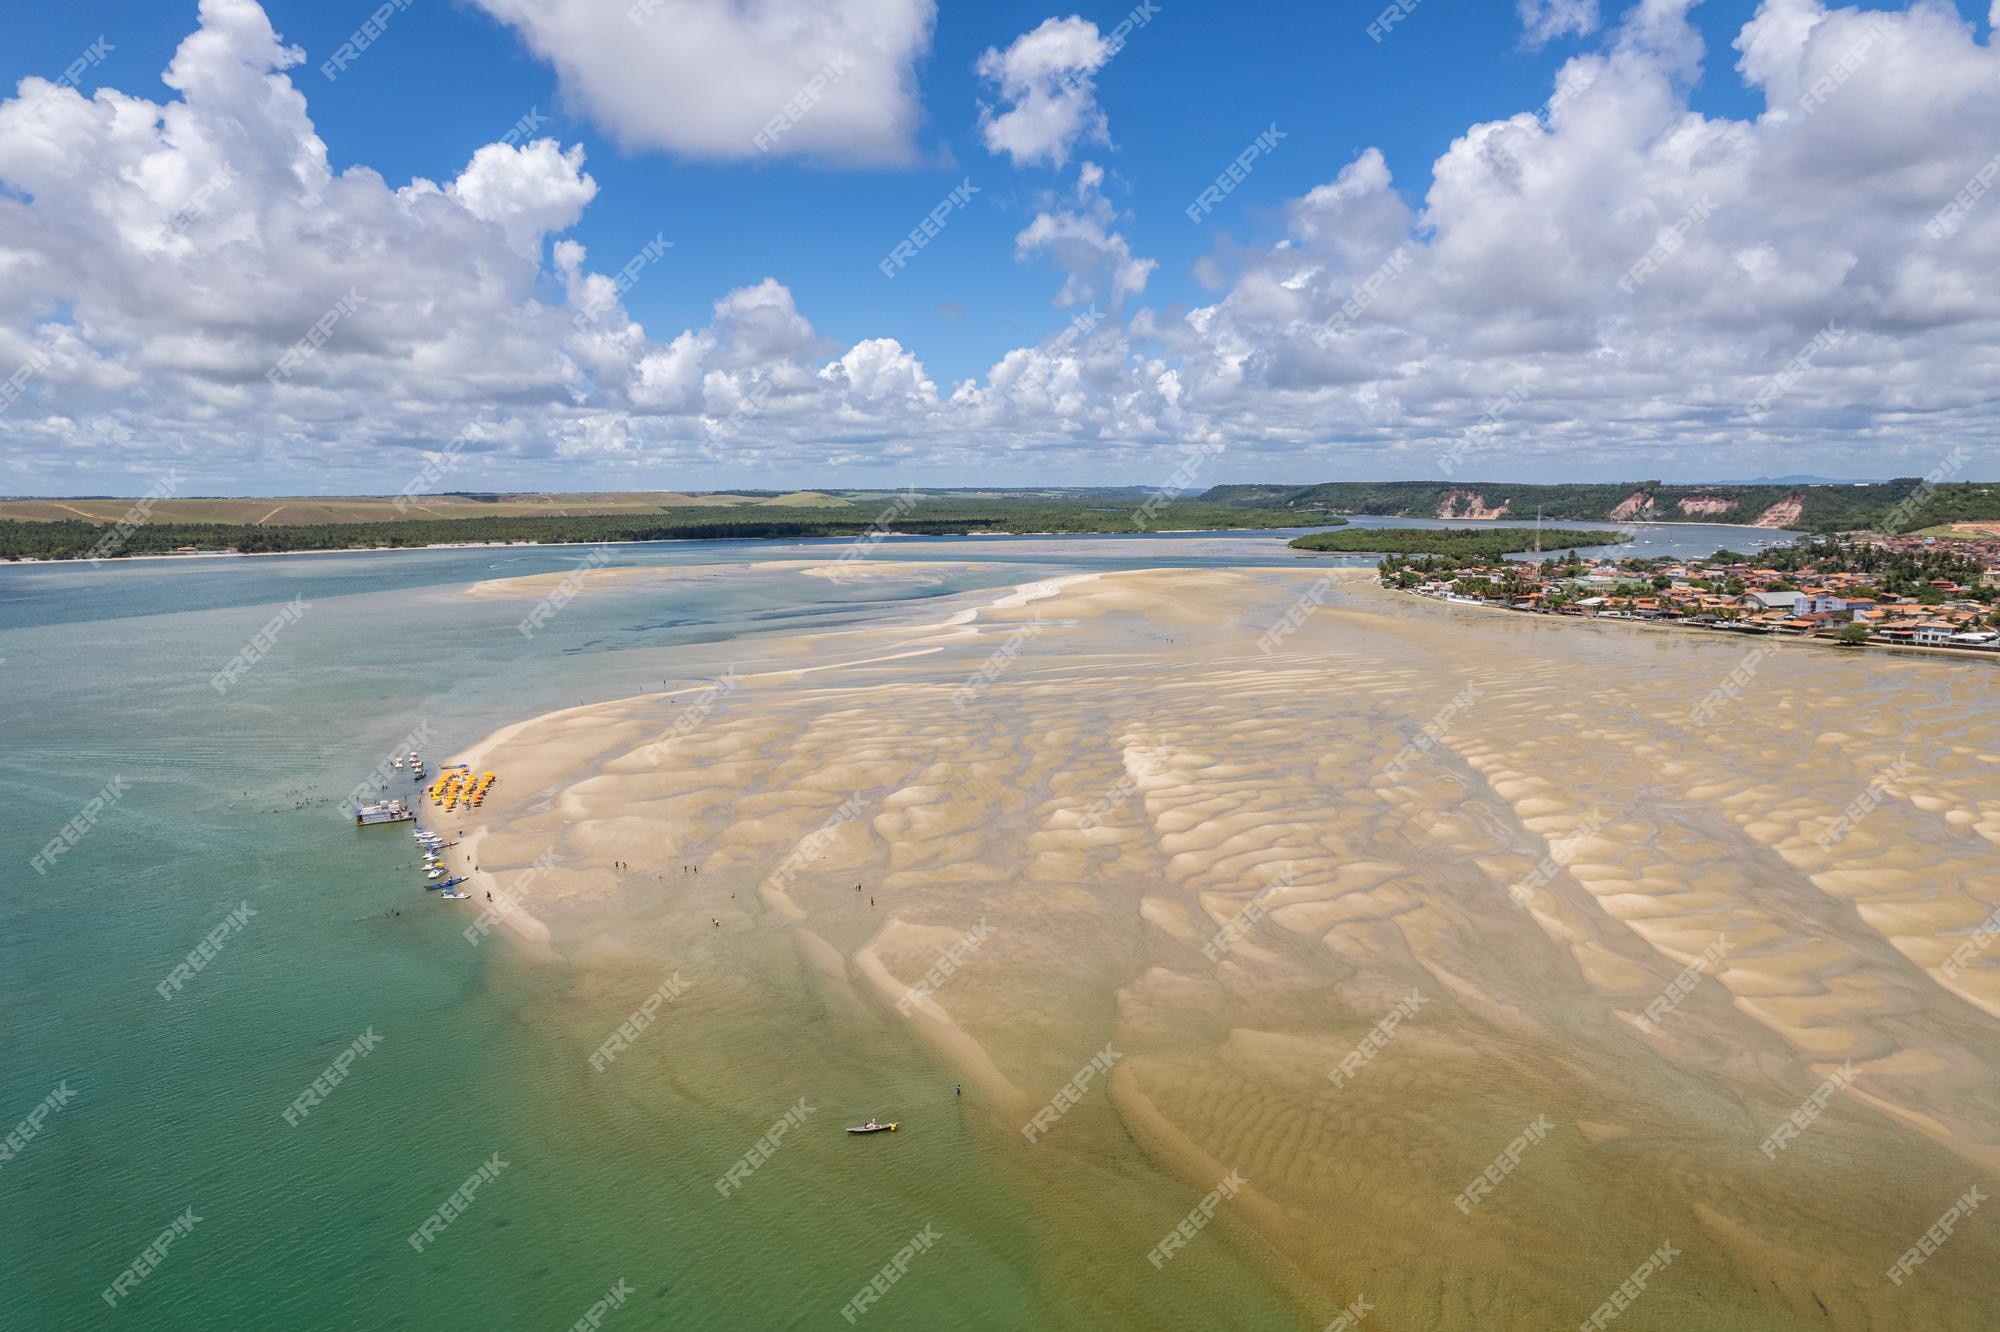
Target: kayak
pixel 872 1127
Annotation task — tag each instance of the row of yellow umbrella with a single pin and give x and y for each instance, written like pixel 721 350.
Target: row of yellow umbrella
pixel 460 787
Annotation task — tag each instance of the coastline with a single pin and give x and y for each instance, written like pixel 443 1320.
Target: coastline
pixel 1959 654
pixel 1511 521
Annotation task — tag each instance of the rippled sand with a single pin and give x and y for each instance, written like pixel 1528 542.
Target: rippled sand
pixel 1597 910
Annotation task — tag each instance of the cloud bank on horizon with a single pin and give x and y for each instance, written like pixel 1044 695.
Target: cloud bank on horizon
pixel 1604 284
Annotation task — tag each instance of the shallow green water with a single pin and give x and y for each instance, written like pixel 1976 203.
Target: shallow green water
pixel 178 1104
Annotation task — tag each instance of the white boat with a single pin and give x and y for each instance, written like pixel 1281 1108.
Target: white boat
pixel 454 896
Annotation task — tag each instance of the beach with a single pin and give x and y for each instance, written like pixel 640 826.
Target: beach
pixel 1336 895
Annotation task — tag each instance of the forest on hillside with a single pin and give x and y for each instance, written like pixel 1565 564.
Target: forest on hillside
pixel 932 517
pixel 1904 505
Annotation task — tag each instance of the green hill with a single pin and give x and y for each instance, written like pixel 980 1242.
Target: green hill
pixel 1906 503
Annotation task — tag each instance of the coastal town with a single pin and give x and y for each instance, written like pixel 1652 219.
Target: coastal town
pixel 1855 590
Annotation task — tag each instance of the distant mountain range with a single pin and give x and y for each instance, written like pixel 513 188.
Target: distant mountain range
pixel 1802 481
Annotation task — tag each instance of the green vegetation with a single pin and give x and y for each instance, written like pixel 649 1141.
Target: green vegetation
pixel 1821 508
pixel 1906 572
pixel 856 515
pixel 1453 547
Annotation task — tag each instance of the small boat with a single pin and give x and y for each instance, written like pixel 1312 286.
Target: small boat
pixel 873 1127
pixel 453 883
pixel 454 897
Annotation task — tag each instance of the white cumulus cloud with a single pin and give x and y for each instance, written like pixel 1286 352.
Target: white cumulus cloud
pixel 1097 262
pixel 528 192
pixel 1545 20
pixel 725 79
pixel 1044 81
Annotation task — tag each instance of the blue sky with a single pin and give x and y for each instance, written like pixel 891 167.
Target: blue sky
pixel 1188 92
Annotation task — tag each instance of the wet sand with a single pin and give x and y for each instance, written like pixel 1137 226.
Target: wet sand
pixel 1651 932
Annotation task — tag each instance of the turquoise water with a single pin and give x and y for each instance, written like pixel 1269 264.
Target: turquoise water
pixel 233 801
